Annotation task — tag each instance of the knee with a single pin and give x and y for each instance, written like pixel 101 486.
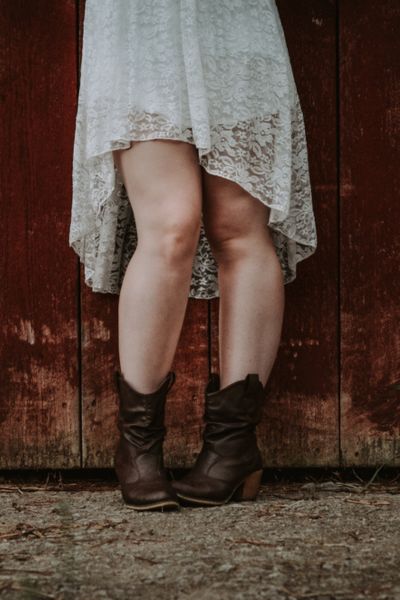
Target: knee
pixel 174 240
pixel 236 235
pixel 229 240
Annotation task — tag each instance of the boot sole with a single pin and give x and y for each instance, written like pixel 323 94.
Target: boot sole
pixel 155 505
pixel 246 490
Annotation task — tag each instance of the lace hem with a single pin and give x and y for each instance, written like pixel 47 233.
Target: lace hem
pixel 266 155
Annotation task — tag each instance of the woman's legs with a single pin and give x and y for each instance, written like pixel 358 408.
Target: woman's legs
pixel 163 182
pixel 250 279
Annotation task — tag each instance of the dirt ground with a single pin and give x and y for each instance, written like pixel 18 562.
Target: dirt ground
pixel 315 538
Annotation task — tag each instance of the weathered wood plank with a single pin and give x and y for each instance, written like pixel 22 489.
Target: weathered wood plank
pixel 370 242
pixel 300 425
pixel 39 405
pixel 99 360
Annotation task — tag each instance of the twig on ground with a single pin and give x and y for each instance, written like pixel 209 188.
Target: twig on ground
pixel 356 475
pixel 32 592
pixel 252 542
pixel 373 476
pixel 149 560
pixel 32 571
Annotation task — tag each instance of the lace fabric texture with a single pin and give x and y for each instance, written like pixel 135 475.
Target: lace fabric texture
pixel 214 74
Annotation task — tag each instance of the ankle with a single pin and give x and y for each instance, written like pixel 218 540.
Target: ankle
pixel 146 385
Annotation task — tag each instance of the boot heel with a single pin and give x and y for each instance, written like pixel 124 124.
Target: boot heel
pixel 249 489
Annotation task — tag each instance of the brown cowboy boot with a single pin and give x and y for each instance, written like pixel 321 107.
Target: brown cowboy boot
pixel 138 459
pixel 229 465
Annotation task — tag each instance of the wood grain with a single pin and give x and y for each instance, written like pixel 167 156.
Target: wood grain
pixel 300 425
pixel 369 224
pixel 334 392
pixel 39 403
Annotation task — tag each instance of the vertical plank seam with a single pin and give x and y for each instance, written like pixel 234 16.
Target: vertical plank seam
pixel 209 334
pixel 339 256
pixel 79 290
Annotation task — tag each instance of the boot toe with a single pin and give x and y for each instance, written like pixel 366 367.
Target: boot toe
pixel 203 490
pixel 147 495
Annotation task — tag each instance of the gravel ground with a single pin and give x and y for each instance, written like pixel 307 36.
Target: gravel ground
pixel 316 540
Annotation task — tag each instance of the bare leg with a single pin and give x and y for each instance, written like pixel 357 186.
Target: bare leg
pixel 163 182
pixel 250 279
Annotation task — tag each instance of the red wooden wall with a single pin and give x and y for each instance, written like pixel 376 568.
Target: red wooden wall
pixel 333 395
pixel 369 232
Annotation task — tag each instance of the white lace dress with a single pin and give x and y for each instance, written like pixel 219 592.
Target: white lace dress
pixel 216 74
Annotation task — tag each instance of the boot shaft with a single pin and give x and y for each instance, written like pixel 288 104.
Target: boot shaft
pixel 141 416
pixel 238 404
pixel 231 415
